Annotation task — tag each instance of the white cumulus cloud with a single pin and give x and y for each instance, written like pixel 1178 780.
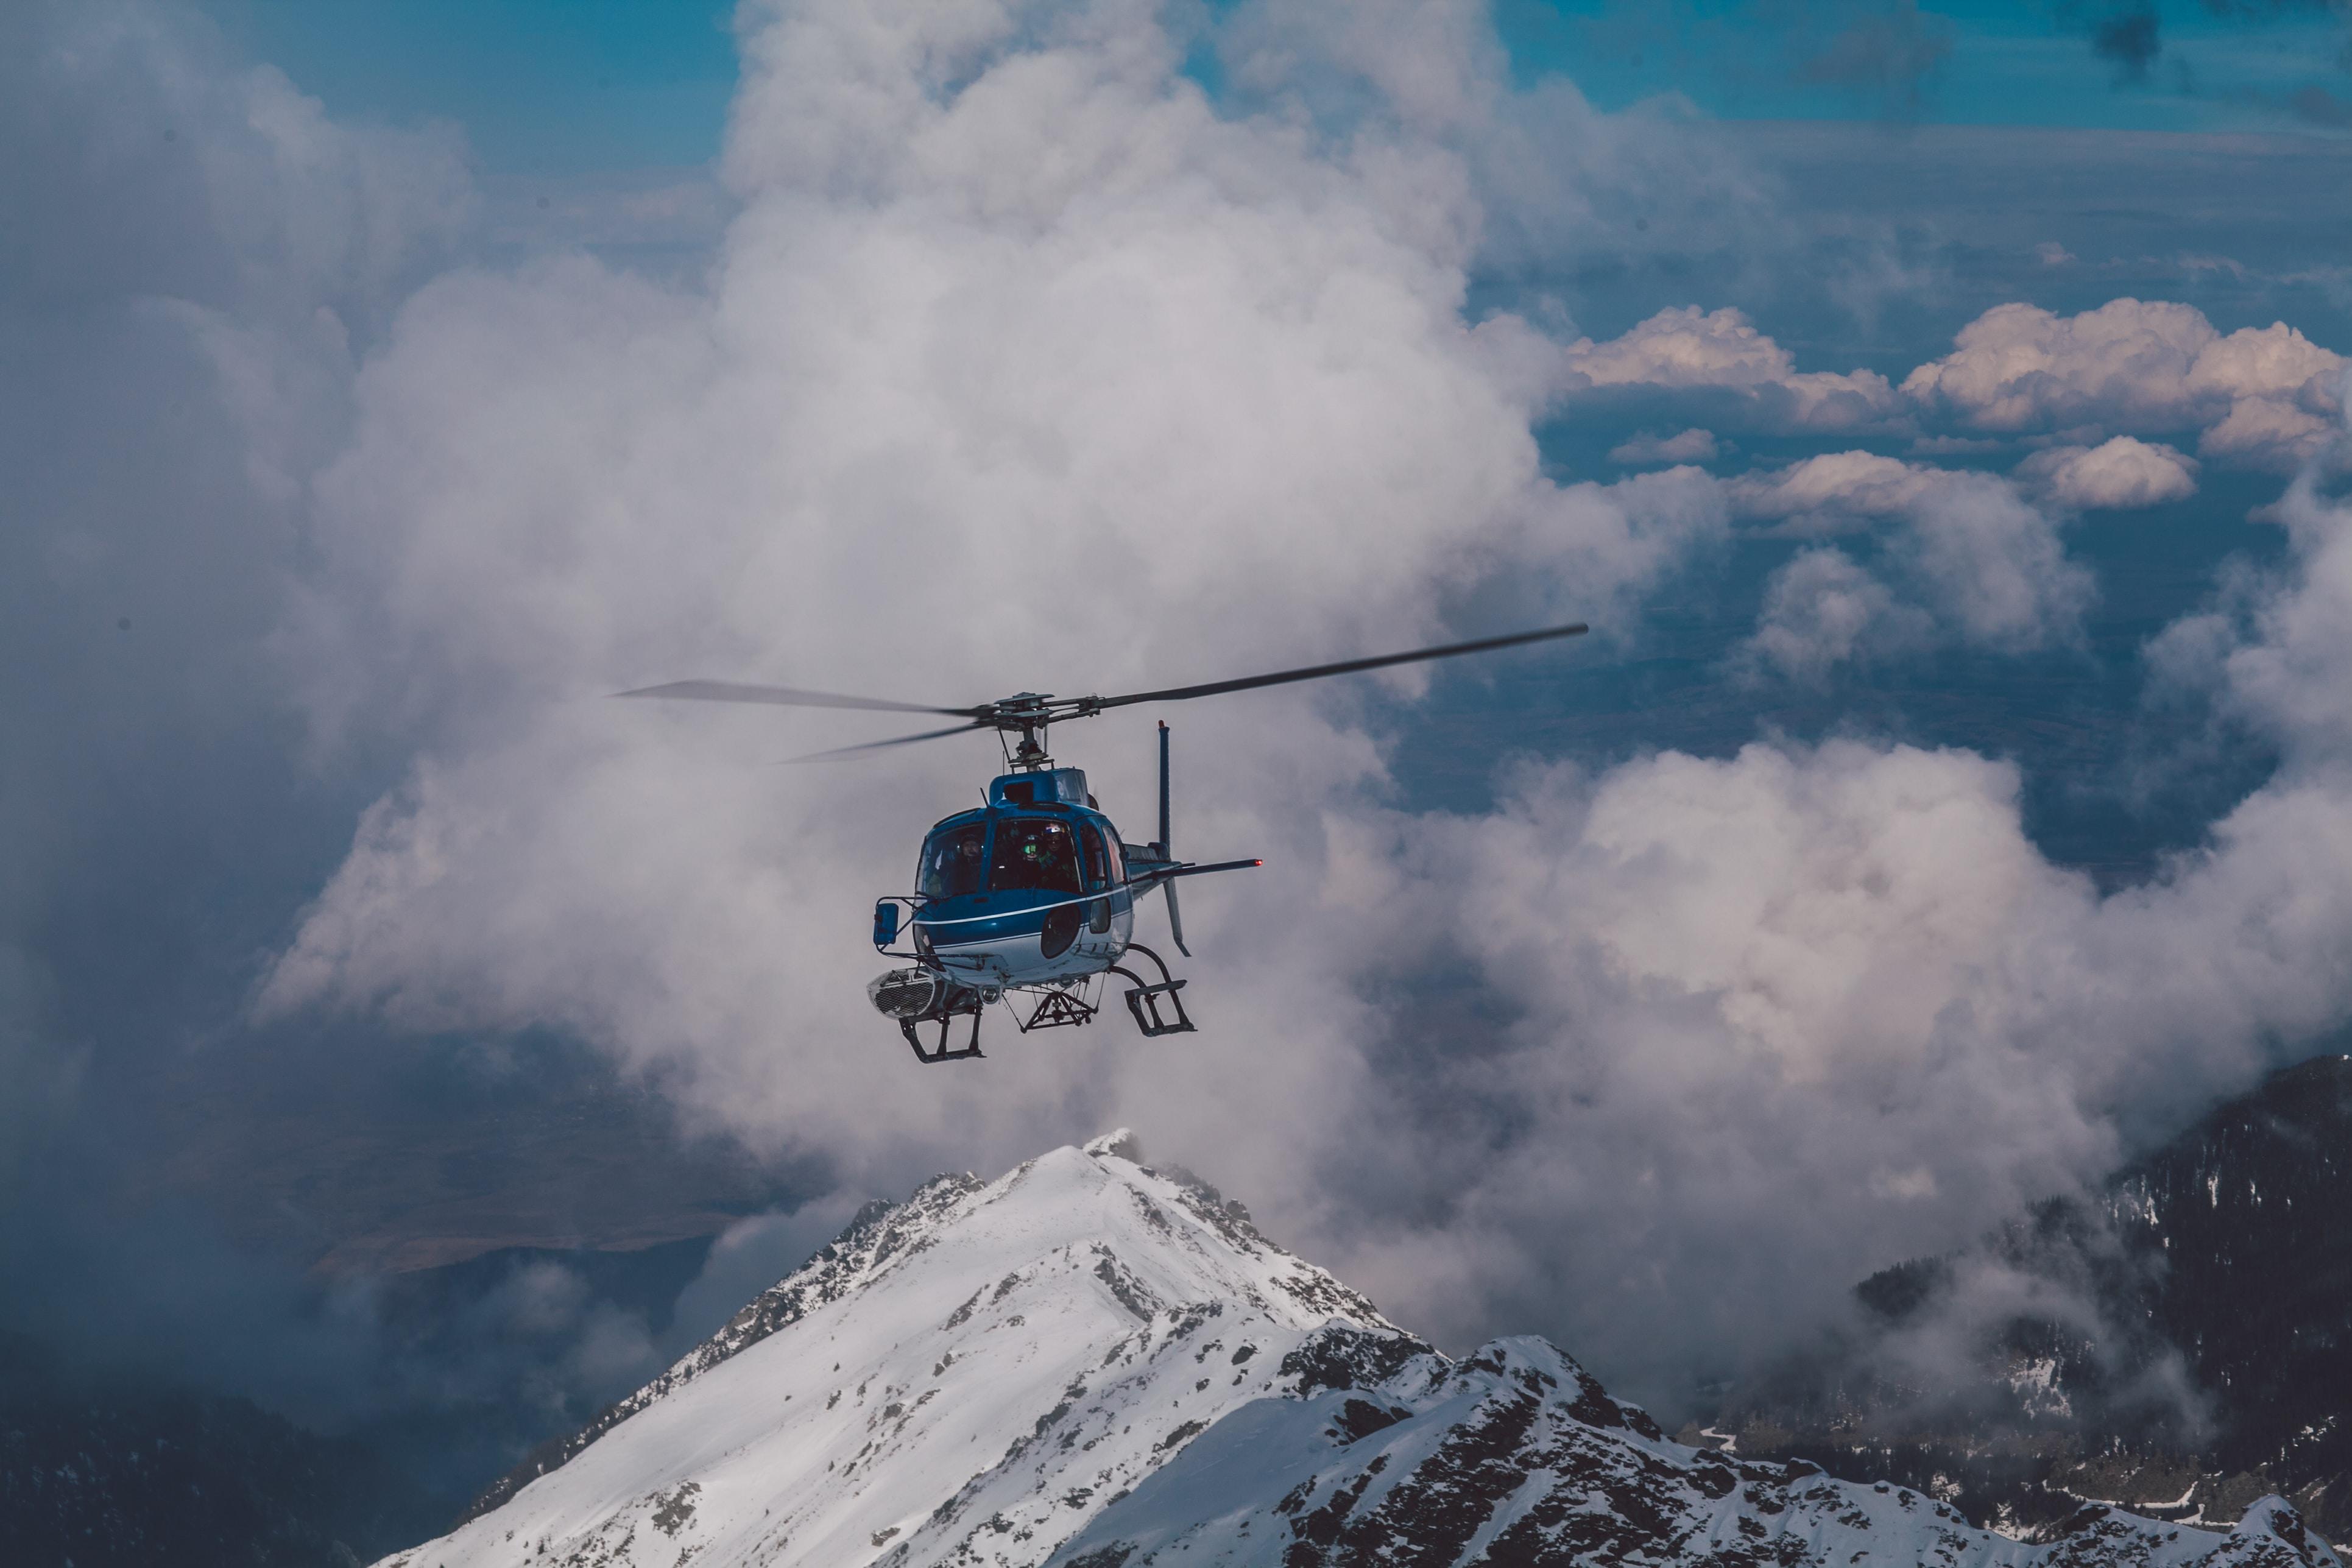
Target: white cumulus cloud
pixel 2263 397
pixel 2120 472
pixel 1686 349
pixel 1022 369
pixel 1836 491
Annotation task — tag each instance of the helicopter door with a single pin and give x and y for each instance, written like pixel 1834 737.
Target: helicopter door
pixel 1097 878
pixel 952 861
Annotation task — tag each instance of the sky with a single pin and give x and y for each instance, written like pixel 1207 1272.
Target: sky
pixel 548 88
pixel 1939 417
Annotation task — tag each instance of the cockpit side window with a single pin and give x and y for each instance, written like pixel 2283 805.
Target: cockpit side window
pixel 951 862
pixel 1097 862
pixel 1038 853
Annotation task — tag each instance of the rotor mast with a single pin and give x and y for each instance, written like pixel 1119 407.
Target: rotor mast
pixel 1030 713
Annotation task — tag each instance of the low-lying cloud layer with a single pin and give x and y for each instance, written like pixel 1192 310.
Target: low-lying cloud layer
pixel 2266 398
pixel 1026 365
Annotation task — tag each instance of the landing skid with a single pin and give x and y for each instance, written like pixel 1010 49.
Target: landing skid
pixel 1155 1007
pixel 940 1052
pixel 1146 1000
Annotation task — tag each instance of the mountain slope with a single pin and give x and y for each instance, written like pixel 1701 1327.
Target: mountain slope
pixel 969 1372
pixel 1515 1457
pixel 1107 1366
pixel 2188 1341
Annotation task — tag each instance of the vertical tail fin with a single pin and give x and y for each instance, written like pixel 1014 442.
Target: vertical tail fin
pixel 1175 914
pixel 1166 844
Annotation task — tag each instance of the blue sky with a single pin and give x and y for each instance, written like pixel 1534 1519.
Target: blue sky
pixel 542 87
pixel 551 88
pixel 2003 62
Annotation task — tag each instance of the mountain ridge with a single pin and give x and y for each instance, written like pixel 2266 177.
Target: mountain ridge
pixel 1098 1364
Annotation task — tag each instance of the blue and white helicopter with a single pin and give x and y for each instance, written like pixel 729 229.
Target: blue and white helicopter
pixel 1036 891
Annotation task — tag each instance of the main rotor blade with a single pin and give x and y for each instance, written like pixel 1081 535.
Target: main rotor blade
pixel 783 697
pixel 897 741
pixel 1348 667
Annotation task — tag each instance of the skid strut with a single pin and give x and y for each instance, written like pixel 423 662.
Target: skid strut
pixel 940 1052
pixel 1153 1005
pixel 1058 1010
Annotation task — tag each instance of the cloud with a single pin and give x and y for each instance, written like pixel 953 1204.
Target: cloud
pixel 193 250
pixel 1561 189
pixel 196 258
pixel 1686 349
pixel 2120 472
pixel 1995 566
pixel 956 400
pixel 1013 336
pixel 2128 36
pixel 1970 559
pixel 1645 450
pixel 2265 397
pixel 1821 611
pixel 1022 364
pixel 1796 975
pixel 1836 491
pixel 2281 669
pixel 1889 53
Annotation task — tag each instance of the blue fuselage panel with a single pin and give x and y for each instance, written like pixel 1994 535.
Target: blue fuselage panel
pixel 1024 897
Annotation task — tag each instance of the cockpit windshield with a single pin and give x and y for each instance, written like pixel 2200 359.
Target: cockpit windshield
pixel 951 862
pixel 1033 852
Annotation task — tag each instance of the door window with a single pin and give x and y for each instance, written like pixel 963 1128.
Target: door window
pixel 951 862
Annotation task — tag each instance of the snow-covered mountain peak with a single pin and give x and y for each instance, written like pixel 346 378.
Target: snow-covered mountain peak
pixel 1121 1144
pixel 1100 1364
pixel 968 1374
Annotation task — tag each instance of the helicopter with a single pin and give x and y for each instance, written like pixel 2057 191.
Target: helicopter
pixel 1034 892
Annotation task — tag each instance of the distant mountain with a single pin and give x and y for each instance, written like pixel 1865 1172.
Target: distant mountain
pixel 2182 1344
pixel 101 1475
pixel 1094 1364
pixel 109 1466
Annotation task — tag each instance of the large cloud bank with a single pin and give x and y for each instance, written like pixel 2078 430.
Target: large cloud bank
pixel 192 249
pixel 1024 365
pixel 1022 368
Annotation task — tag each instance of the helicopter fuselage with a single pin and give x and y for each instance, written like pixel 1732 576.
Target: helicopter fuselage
pixel 1031 889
